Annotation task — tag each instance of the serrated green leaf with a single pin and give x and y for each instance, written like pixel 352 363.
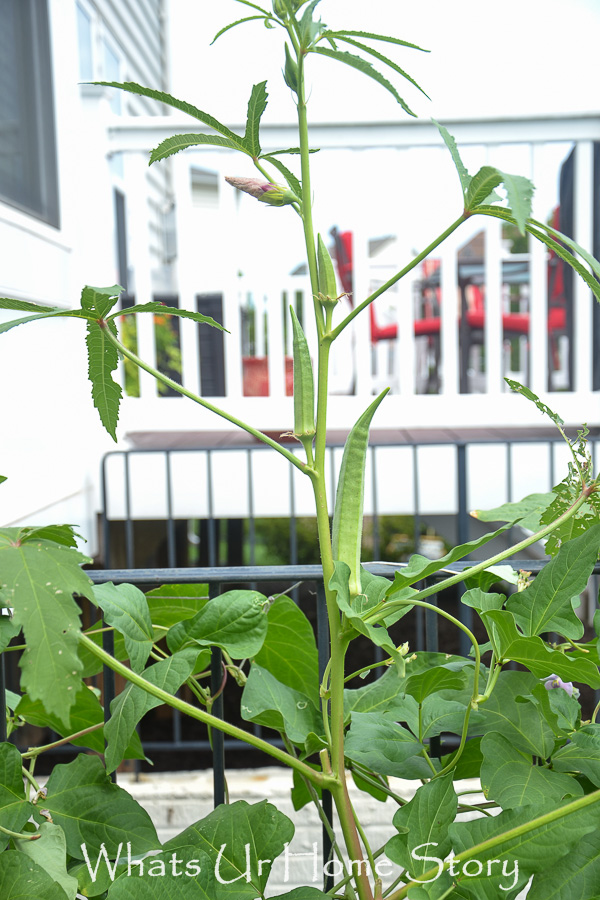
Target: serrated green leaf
pixel 39 579
pixel 26 306
pixel 289 176
pixel 6 326
pixel 155 306
pixel 266 701
pixel 260 827
pixel 380 744
pixel 58 534
pixel 233 25
pixel 21 878
pixel 124 607
pixel 256 107
pixel 15 809
pixel 361 65
pixel 465 178
pixel 93 811
pixel 99 300
pixel 481 185
pixel 187 108
pixel 548 603
pixel 103 359
pixel 525 512
pixel 510 778
pixel 375 37
pixel 289 651
pixel 132 704
pixel 235 621
pixel 519 191
pixel 294 151
pixel 178 142
pixel 381 58
pixel 424 820
pixel 50 853
pixel 529 395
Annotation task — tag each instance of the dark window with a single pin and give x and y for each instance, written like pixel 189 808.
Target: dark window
pixel 28 176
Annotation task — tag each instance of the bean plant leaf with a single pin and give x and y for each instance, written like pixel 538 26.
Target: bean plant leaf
pixel 357 62
pixel 15 809
pixel 256 107
pixel 172 603
pixel 155 306
pixel 576 875
pixel 103 359
pixel 187 108
pixel 424 820
pixel 303 893
pixel 236 621
pixel 189 876
pixel 289 651
pixel 178 142
pixel 268 702
pixel 238 835
pixel 548 603
pixel 132 704
pixel 380 744
pixel 534 653
pixel 38 579
pixel 510 778
pixel 125 608
pixel 510 711
pixel 525 512
pixel 50 853
pixel 21 877
pixel 581 754
pixel 432 680
pixel 465 178
pixel 385 695
pixel 93 811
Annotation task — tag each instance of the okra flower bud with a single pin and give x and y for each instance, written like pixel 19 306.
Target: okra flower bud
pixel 265 191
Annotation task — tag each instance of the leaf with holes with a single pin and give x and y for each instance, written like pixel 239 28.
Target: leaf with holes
pixel 465 178
pixel 38 579
pixel 103 359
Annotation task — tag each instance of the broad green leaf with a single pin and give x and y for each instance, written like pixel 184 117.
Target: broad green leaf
pixel 50 853
pixel 482 601
pixel 432 680
pixel 536 850
pixel 156 306
pixel 268 702
pixel 250 833
pixel 289 176
pixel 93 811
pixel 178 142
pixel 380 744
pixel 519 191
pixel 525 512
pixel 491 576
pixel 59 534
pixel 187 108
pixel 481 186
pixel 384 695
pixel 15 809
pixel 99 300
pixel 303 893
pixel 510 778
pixel 103 359
pixel 420 567
pixel 233 25
pixel 465 178
pixel 23 879
pixel 358 606
pixel 289 651
pixel 187 876
pixel 469 761
pixel 535 655
pixel 39 578
pixel 8 629
pixel 236 621
pixel 519 720
pixel 438 714
pixel 256 107
pixel 581 754
pixel 369 788
pixel 124 607
pixel 357 62
pixel 132 704
pixel 424 820
pixel 381 58
pixel 11 699
pixel 575 876
pixel 548 603
pixel 172 603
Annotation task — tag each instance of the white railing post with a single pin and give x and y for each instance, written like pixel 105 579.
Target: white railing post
pixel 361 329
pixel 404 345
pixel 538 295
pixel 276 359
pixel 449 316
pixel 138 215
pixel 493 330
pixel 582 296
pixel 187 272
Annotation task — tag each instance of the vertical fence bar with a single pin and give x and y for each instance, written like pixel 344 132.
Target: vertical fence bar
pixel 323 651
pixel 466 613
pixel 2 697
pixel 218 738
pixel 129 551
pixel 212 549
pixel 419 623
pixel 104 513
pixel 171 548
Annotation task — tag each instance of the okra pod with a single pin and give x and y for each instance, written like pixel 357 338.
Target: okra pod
pixel 304 391
pixel 349 498
pixel 325 271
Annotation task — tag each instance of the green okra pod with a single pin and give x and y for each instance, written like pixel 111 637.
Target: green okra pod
pixel 290 72
pixel 349 498
pixel 304 391
pixel 325 271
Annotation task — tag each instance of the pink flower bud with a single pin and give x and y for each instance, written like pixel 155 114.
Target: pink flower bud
pixel 274 194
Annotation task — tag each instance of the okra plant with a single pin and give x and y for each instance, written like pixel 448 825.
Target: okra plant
pixel 519 730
